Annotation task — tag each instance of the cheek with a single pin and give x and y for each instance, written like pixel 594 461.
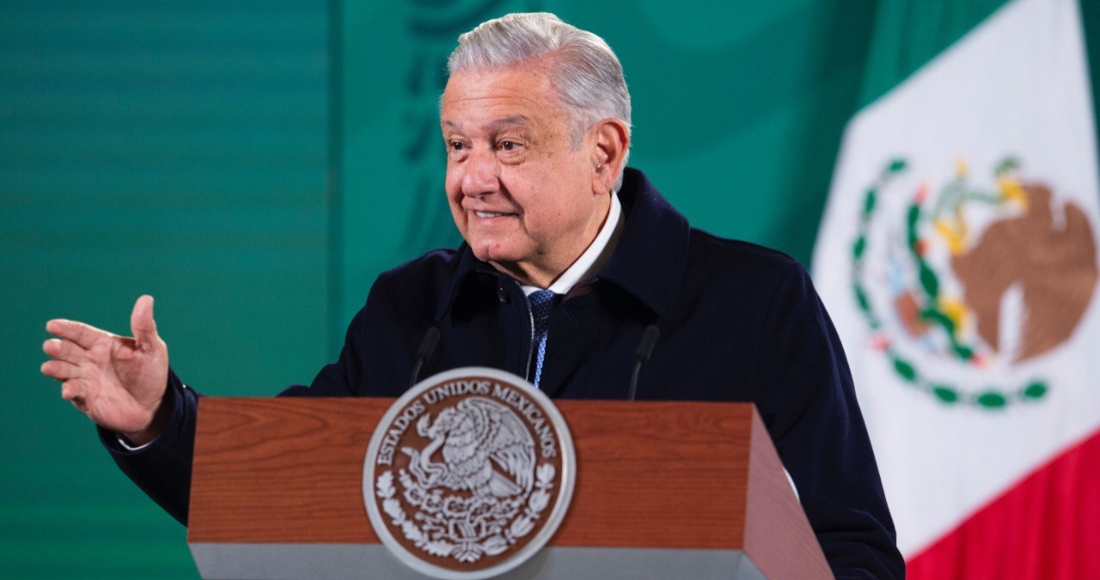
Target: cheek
pixel 454 199
pixel 452 185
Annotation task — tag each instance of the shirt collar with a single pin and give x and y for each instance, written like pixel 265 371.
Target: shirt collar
pixel 593 259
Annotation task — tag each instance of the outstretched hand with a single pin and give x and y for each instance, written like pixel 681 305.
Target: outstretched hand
pixel 118 382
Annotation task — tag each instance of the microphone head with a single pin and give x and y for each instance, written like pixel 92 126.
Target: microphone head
pixel 645 346
pixel 427 345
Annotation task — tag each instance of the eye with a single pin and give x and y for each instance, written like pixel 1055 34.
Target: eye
pixel 457 150
pixel 508 146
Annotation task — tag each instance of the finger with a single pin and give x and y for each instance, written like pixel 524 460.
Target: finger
pixel 78 332
pixel 60 370
pixel 73 389
pixel 142 324
pixel 73 393
pixel 65 350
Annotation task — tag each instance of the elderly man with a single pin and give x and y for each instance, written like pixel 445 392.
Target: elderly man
pixel 536 122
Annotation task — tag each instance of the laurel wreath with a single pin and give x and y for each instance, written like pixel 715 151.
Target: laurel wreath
pixel 474 549
pixel 990 397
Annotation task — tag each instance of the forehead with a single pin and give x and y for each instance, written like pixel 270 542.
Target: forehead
pixel 482 100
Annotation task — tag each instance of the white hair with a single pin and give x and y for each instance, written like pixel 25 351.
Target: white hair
pixel 584 71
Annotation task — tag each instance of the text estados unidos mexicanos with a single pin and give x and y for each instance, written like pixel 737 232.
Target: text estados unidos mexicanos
pixel 534 416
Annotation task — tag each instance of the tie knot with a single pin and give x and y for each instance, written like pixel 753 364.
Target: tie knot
pixel 540 297
pixel 541 303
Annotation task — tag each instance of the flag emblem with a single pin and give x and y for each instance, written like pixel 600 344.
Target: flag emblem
pixel 966 282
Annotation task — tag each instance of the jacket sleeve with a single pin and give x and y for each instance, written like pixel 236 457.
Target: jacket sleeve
pixel 808 401
pixel 162 469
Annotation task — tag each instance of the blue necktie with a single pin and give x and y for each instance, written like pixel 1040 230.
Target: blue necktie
pixel 542 301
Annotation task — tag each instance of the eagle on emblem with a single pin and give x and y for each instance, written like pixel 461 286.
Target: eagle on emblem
pixel 485 447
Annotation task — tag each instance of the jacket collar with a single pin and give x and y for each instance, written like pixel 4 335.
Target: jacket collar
pixel 648 262
pixel 652 253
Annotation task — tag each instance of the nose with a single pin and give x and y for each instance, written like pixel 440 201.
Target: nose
pixel 482 174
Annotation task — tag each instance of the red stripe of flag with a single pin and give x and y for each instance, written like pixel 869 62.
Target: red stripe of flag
pixel 1045 527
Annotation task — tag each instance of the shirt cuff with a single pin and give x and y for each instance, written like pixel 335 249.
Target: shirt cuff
pixel 127 446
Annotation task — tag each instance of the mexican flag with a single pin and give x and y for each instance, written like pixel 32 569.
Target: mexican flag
pixel 958 256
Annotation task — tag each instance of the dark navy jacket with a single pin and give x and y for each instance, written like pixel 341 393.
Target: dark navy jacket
pixel 737 322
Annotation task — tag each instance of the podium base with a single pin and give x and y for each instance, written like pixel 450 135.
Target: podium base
pixel 348 561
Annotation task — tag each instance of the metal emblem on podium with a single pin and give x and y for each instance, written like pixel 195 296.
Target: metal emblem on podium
pixel 469 474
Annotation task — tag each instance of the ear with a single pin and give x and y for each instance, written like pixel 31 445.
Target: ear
pixel 612 138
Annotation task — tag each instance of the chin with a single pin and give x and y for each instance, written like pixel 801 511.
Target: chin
pixel 493 255
pixel 490 251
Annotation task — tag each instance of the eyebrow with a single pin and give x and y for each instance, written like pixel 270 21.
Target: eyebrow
pixel 497 124
pixel 511 121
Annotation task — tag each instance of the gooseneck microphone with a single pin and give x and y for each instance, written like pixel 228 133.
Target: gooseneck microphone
pixel 645 348
pixel 427 348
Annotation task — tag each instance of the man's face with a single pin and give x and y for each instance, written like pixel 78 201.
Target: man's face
pixel 521 195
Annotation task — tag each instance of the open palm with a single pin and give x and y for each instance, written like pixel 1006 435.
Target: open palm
pixel 118 382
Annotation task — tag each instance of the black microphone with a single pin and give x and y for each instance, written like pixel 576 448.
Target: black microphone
pixel 645 348
pixel 427 347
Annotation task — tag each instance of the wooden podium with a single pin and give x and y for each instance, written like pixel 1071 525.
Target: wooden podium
pixel 663 490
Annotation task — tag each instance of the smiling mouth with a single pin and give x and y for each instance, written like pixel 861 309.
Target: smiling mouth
pixel 487 214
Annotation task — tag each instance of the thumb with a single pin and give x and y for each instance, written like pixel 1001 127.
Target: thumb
pixel 142 324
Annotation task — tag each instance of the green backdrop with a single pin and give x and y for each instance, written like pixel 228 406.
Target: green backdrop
pixel 255 165
pixel 149 146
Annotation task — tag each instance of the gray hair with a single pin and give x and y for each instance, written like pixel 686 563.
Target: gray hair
pixel 584 71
